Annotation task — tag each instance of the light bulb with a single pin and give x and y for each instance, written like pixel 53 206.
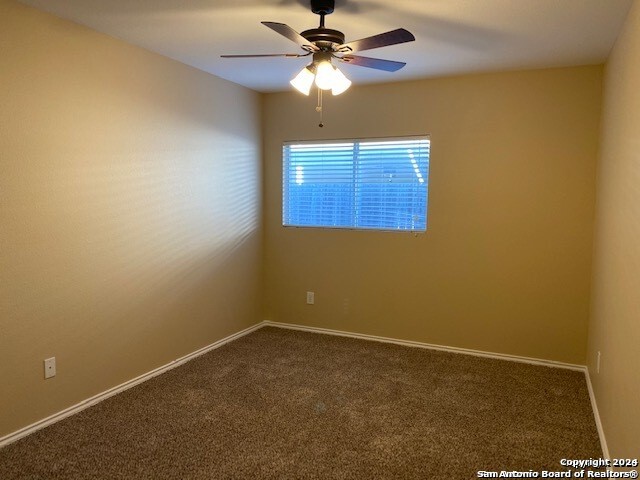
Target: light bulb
pixel 340 82
pixel 303 81
pixel 325 75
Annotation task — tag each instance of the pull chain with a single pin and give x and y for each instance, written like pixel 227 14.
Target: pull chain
pixel 319 107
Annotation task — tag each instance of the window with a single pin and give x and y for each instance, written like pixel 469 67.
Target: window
pixel 363 184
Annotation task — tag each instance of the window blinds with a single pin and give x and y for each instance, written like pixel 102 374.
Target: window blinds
pixel 364 184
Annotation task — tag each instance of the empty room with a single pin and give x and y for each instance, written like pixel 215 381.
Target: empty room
pixel 350 239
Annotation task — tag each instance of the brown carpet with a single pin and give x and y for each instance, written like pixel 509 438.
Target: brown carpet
pixel 292 405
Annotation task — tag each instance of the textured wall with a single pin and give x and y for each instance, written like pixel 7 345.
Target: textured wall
pixel 615 316
pixel 505 263
pixel 130 212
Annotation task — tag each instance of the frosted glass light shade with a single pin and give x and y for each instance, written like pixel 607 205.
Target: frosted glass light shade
pixel 340 82
pixel 325 74
pixel 303 81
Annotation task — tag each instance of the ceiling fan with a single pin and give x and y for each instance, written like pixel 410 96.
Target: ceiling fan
pixel 326 44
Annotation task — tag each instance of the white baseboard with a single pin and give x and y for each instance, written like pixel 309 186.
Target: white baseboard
pixel 429 346
pixel 56 417
pixel 596 415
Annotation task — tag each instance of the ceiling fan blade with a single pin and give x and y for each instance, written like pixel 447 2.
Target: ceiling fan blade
pixel 291 55
pixel 377 63
pixel 393 37
pixel 291 34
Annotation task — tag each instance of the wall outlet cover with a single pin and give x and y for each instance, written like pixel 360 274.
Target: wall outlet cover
pixel 50 367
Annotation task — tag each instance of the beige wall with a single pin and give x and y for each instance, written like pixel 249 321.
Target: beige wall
pixel 130 212
pixel 505 263
pixel 615 315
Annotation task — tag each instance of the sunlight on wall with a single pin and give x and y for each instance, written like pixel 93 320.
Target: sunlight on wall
pixel 175 216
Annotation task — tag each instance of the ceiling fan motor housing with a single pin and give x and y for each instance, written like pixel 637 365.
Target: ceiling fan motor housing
pixel 322 7
pixel 324 36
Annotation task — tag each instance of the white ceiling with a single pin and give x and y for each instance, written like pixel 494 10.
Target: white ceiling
pixel 452 36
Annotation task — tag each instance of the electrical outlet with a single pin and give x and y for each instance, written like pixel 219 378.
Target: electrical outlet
pixel 50 367
pixel 598 363
pixel 311 298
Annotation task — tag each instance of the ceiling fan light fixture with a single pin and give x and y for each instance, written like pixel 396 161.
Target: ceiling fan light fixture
pixel 325 75
pixel 340 83
pixel 303 81
pixel 325 44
